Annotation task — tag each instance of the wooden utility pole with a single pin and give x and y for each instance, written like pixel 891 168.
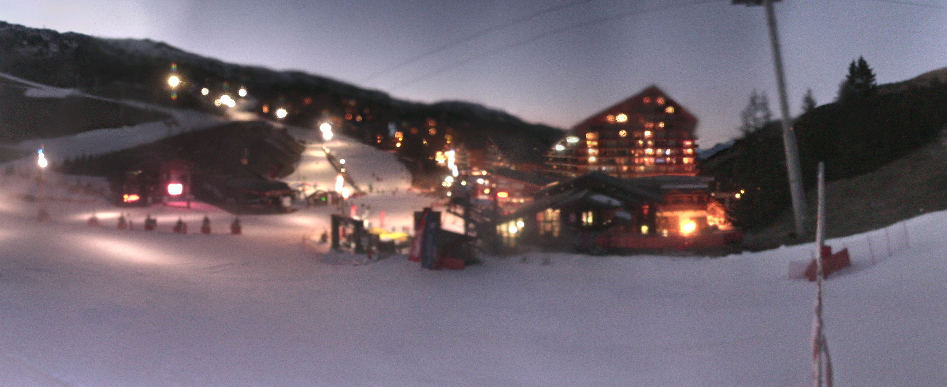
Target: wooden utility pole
pixel 794 171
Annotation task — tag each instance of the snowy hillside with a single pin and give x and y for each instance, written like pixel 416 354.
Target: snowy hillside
pixel 98 306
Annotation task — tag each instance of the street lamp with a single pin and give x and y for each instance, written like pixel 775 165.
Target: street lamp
pixel 326 129
pixel 281 113
pixel 41 159
pixel 174 81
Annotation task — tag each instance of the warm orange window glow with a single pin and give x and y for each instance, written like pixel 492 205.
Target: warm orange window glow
pixel 503 194
pixel 621 117
pixel 128 198
pixel 623 133
pixel 669 110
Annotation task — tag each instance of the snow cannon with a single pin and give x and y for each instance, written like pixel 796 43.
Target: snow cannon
pixel 235 228
pixel 180 227
pixel 205 225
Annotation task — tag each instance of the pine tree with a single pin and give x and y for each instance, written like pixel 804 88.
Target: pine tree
pixel 859 83
pixel 756 114
pixel 808 102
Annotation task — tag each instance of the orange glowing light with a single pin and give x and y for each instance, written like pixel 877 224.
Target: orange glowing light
pixel 128 198
pixel 503 194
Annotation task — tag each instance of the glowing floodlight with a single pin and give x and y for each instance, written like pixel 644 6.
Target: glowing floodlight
pixel 175 189
pixel 174 81
pixel 281 113
pixel 688 227
pixel 130 198
pixel 205 91
pixel 41 159
pixel 560 147
pixel 242 92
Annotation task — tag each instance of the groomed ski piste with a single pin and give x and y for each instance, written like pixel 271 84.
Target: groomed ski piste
pixel 98 306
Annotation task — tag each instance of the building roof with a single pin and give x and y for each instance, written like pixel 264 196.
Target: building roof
pixel 525 177
pixel 635 106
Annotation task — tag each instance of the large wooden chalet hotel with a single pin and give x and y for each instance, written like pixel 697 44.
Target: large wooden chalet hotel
pixel 627 179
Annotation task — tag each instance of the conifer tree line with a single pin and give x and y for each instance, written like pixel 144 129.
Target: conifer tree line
pixel 866 127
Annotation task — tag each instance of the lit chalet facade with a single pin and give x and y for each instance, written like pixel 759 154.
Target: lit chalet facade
pixel 648 134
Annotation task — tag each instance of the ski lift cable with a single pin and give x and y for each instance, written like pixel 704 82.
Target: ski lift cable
pixel 534 38
pixel 911 3
pixel 472 36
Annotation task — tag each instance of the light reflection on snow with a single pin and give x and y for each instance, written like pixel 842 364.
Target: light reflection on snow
pixel 126 251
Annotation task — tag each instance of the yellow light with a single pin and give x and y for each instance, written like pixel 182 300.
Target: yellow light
pixel 242 92
pixel 560 147
pixel 669 110
pixel 688 227
pixel 513 230
pixel 206 91
pixel 621 117
pixel 520 224
pixel 281 113
pixel 503 194
pixel 592 159
pixel 647 133
pixel 644 229
pixel 174 81
pixel 130 198
pixel 623 133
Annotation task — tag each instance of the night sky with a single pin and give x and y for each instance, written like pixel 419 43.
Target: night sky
pixel 548 61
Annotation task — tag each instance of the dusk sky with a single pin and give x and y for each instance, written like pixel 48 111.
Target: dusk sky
pixel 549 61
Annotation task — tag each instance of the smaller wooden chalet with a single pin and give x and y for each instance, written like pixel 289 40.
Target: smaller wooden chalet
pixel 598 212
pixel 515 188
pixel 563 214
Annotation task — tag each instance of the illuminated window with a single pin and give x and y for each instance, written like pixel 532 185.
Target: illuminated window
pixel 647 133
pixel 591 136
pixel 649 125
pixel 572 139
pixel 647 100
pixel 431 122
pixel 688 143
pixel 623 133
pixel 588 218
pixel 432 131
pixel 649 151
pixel 669 110
pixel 592 159
pixel 660 100
pixel 610 118
pixel 621 118
pixel 660 124
pixel 688 160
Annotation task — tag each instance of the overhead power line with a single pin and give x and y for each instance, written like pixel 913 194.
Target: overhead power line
pixel 472 36
pixel 911 3
pixel 557 31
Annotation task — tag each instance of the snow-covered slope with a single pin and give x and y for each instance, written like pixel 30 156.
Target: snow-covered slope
pixel 86 306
